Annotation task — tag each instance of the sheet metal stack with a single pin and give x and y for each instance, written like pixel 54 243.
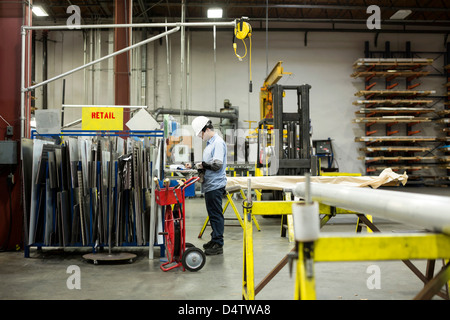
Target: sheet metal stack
pixel 90 191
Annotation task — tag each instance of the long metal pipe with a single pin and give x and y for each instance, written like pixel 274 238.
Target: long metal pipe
pixel 182 57
pixel 135 25
pixel 428 211
pixel 22 85
pixel 232 116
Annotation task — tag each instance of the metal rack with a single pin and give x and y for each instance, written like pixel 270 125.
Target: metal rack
pixel 72 211
pixel 446 114
pixel 394 117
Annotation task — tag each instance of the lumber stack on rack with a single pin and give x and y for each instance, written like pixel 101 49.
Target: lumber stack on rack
pixel 394 113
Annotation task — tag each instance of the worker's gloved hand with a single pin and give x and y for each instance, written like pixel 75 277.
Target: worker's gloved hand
pixel 198 166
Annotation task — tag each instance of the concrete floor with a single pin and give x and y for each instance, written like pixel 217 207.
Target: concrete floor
pixel 44 275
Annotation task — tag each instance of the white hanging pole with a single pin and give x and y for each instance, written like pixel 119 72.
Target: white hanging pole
pixel 428 211
pixel 22 86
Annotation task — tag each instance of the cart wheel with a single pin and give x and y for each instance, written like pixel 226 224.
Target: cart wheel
pixel 193 259
pixel 189 245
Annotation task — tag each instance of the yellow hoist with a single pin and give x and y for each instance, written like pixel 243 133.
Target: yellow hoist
pixel 242 31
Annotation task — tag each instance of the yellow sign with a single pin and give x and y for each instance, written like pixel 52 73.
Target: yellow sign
pixel 102 119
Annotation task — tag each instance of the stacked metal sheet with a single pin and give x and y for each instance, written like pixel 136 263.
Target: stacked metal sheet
pixel 90 191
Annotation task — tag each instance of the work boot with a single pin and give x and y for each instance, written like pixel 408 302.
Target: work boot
pixel 214 249
pixel 208 244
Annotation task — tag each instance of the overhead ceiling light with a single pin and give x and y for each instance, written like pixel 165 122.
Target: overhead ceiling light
pixel 39 12
pixel 215 13
pixel 400 14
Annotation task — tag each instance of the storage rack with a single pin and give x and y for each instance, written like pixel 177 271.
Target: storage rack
pixel 60 196
pixel 394 115
pixel 445 115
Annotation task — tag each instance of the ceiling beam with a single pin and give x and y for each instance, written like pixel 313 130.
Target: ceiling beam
pixel 307 6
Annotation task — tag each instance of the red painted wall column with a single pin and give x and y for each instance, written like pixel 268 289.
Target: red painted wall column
pixel 12 17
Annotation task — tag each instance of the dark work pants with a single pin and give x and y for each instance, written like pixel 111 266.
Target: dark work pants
pixel 213 201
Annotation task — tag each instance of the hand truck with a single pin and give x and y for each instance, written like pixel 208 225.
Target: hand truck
pixel 179 253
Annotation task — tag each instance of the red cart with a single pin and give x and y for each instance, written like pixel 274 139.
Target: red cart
pixel 179 253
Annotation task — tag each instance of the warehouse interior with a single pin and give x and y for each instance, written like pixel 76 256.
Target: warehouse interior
pixel 336 120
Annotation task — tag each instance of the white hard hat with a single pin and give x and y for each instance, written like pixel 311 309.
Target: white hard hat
pixel 198 124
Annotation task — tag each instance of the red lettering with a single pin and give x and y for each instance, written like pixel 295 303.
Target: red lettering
pixel 103 115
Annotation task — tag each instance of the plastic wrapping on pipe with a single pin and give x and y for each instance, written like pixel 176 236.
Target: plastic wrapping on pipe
pixel 386 178
pixel 428 211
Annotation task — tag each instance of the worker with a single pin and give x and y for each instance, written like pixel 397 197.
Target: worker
pixel 214 180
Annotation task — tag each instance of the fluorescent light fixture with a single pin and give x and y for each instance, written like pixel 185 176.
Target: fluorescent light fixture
pixel 215 13
pixel 400 14
pixel 39 12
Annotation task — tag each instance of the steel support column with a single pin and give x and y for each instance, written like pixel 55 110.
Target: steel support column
pixel 122 62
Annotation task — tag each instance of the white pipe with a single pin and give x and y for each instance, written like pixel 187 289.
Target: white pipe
pixel 169 70
pixel 104 58
pixel 135 25
pixel 72 123
pixel 100 106
pixel 22 86
pixel 182 57
pixel 215 72
pixel 429 211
